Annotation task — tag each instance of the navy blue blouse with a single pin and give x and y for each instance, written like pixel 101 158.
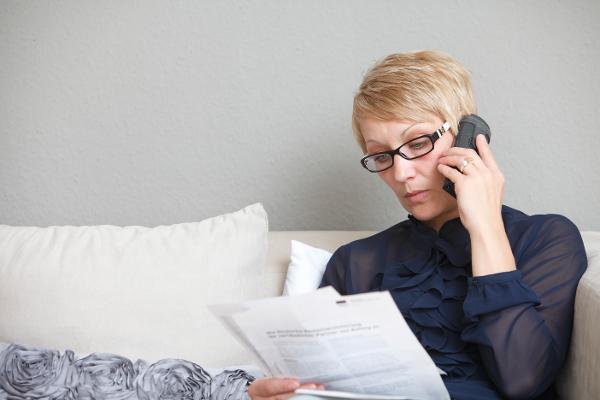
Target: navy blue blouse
pixel 502 335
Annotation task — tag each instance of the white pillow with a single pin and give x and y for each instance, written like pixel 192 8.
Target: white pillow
pixel 307 265
pixel 135 291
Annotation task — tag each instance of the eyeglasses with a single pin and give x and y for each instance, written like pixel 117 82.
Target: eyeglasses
pixel 410 150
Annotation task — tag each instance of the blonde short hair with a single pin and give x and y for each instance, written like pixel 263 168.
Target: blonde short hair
pixel 413 87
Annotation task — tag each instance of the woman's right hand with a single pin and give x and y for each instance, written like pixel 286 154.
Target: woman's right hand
pixel 277 388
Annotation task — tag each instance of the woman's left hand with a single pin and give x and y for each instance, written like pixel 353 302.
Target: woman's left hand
pixel 479 188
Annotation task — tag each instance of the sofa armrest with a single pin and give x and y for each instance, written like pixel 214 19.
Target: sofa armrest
pixel 579 377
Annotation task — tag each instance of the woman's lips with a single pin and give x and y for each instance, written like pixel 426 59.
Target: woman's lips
pixel 417 196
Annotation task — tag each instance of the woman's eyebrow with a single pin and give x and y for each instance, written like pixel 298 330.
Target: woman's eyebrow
pixel 420 126
pixel 401 134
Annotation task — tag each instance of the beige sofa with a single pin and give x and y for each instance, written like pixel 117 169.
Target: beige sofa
pixel 140 292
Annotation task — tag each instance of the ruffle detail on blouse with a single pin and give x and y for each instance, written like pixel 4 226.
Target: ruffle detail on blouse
pixel 495 292
pixel 430 293
pixel 429 289
pixel 453 240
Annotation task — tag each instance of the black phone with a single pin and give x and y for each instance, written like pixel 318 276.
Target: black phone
pixel 468 128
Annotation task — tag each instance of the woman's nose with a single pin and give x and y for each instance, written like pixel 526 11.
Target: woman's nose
pixel 403 169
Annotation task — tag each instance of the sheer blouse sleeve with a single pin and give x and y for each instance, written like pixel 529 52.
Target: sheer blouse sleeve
pixel 521 320
pixel 353 268
pixel 336 271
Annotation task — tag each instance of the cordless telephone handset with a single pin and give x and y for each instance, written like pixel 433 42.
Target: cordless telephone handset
pixel 468 128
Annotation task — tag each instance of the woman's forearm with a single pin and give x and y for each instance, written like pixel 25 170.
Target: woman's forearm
pixel 490 251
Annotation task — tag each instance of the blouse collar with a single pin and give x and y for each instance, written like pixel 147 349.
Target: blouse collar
pixel 453 240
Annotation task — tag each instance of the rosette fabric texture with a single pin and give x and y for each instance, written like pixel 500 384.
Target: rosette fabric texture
pixel 30 373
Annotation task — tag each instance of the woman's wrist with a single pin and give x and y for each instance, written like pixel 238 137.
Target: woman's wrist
pixel 490 251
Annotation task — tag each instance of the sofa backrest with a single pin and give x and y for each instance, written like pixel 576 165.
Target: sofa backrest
pixel 278 255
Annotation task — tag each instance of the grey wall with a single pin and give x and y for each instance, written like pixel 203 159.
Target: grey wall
pixel 130 112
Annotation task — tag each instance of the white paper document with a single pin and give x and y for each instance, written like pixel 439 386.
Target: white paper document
pixel 358 344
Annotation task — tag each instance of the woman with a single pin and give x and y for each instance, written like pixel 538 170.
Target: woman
pixel 487 290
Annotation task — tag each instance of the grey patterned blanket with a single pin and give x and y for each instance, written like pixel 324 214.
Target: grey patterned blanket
pixel 29 373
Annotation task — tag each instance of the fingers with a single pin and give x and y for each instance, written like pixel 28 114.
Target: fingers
pixel 450 173
pixel 460 153
pixel 277 388
pixel 481 172
pixel 457 161
pixel 312 386
pixel 272 387
pixel 457 154
pixel 485 152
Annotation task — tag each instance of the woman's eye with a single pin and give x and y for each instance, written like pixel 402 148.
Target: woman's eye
pixel 381 158
pixel 418 144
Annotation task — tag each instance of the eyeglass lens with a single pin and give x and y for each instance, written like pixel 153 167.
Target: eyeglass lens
pixel 413 149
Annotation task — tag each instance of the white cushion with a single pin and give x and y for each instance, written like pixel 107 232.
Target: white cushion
pixel 307 265
pixel 135 291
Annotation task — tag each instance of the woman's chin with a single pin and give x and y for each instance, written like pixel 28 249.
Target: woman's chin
pixel 422 215
pixel 434 218
pixel 427 213
pixel 419 211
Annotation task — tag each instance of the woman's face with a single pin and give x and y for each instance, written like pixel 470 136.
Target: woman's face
pixel 432 205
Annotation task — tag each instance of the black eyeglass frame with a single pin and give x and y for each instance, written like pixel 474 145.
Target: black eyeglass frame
pixel 432 136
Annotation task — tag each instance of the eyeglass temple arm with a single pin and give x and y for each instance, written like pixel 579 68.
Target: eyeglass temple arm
pixel 445 128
